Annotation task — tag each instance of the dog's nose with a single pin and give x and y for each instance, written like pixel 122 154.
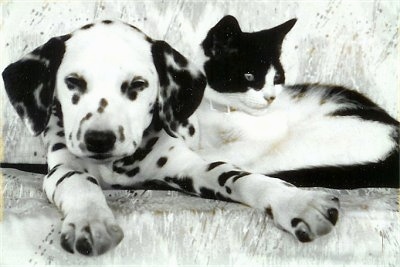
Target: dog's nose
pixel 99 141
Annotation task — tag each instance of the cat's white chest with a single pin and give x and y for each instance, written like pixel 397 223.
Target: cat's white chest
pixel 237 136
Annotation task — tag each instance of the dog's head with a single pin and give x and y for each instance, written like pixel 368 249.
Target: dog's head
pixel 111 80
pixel 243 67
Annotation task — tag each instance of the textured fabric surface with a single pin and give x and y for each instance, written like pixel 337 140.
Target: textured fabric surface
pixel 169 228
pixel 352 43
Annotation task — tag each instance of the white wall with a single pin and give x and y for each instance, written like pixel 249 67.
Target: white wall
pixel 352 43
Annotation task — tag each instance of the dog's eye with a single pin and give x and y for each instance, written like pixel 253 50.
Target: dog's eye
pixel 138 84
pixel 249 77
pixel 75 83
pixel 131 89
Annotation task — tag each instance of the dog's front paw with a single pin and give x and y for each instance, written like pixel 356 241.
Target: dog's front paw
pixel 306 214
pixel 90 232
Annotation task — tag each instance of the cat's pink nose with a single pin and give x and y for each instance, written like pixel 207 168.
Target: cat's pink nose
pixel 270 98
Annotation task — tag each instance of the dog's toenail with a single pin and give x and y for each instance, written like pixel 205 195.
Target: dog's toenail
pixel 333 215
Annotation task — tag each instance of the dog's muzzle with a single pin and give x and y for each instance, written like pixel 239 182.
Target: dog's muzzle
pixel 99 142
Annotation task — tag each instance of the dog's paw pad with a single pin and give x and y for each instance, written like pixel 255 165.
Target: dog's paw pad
pixel 90 235
pixel 307 214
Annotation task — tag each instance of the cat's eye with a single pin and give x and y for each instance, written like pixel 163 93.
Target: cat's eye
pixel 248 76
pixel 279 79
pixel 75 82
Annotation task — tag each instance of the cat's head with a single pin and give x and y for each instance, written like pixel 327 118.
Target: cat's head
pixel 242 68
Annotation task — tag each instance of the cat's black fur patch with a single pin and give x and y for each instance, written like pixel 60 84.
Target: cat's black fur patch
pixel 233 53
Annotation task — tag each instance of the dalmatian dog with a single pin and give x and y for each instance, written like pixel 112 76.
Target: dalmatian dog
pixel 116 109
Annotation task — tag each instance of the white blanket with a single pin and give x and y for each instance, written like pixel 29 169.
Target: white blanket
pixel 169 228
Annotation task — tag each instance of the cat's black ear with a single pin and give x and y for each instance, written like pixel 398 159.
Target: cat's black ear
pixel 223 38
pixel 181 86
pixel 30 83
pixel 279 32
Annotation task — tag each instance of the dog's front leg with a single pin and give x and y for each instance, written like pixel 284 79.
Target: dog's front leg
pixel 305 214
pixel 88 224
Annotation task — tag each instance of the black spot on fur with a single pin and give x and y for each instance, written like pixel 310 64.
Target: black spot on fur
pixel 133 172
pixel 139 154
pixel 67 175
pixel 87 26
pixel 121 133
pixel 161 161
pixel 53 170
pixel 210 194
pixel 103 103
pixel 87 117
pixel 118 169
pixel 58 146
pixel 60 123
pixel 185 183
pixel 242 174
pixel 75 99
pixel 132 95
pixel 214 165
pixel 294 222
pixel 107 21
pixel 92 180
pixel 180 60
pixel 124 87
pixel 225 176
pixel 61 134
pixel 191 130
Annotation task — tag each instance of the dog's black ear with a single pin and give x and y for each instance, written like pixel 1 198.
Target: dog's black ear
pixel 223 38
pixel 30 83
pixel 181 86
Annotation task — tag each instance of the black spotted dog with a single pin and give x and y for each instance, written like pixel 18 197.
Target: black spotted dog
pixel 307 134
pixel 115 110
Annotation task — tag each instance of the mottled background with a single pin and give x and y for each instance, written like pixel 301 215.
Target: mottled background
pixel 352 43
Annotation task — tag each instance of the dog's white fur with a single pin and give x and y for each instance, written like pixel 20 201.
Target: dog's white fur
pixel 103 60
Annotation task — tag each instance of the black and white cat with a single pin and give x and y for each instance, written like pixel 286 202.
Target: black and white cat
pixel 308 134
